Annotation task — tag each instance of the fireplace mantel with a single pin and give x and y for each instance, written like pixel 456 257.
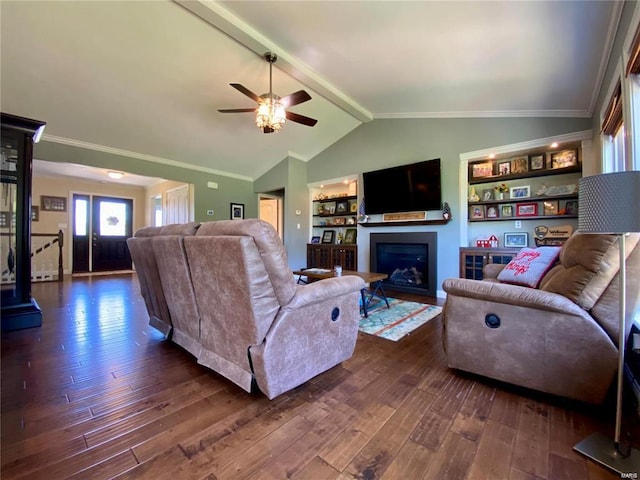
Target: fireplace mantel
pixel 407 223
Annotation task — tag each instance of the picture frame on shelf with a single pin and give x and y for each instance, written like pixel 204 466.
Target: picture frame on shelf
pixel 504 168
pixel 53 204
pixel 330 209
pixel 506 211
pixel 342 206
pixel 340 221
pixel 482 170
pixel 563 159
pixel 550 207
pixel 492 211
pixel 536 162
pixel 315 239
pixel 571 207
pixel 487 194
pixel 527 210
pixel 237 211
pixel 350 236
pixel 523 191
pixel 353 206
pixel 476 211
pixel 520 239
pixel 520 164
pixel 328 236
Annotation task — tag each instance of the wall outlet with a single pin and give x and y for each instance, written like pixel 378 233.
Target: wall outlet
pixel 210 213
pixel 518 224
pixel 213 185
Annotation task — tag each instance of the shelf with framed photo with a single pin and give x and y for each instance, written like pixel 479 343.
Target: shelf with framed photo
pixel 531 165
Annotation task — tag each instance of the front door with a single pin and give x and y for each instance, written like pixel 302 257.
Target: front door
pixel 111 226
pixel 101 228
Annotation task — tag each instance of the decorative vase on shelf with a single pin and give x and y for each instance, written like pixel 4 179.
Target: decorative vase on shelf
pixel 500 196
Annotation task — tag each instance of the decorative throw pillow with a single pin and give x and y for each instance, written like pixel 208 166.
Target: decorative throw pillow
pixel 529 266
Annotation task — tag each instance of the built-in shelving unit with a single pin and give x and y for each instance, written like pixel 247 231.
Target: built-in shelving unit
pixel 539 188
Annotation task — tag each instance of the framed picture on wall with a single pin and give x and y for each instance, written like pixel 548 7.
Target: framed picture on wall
pixel 516 239
pixel 237 211
pixel 53 204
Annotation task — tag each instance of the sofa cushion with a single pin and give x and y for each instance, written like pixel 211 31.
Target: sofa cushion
pixel 529 266
pixel 588 262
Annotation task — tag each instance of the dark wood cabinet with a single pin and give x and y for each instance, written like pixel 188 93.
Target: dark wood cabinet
pixel 473 259
pixel 330 255
pixel 19 309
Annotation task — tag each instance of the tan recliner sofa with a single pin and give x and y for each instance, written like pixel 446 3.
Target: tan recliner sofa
pixel 233 303
pixel 560 338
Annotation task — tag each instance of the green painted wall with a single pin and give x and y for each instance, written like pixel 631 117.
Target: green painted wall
pixel 290 175
pixel 389 142
pixel 230 190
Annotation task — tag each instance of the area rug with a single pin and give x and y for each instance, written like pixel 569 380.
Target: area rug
pixel 401 319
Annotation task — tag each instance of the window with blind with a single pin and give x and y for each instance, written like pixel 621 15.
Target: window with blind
pixel 613 151
pixel 633 77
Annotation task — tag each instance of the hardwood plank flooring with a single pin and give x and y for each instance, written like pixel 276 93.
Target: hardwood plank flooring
pixel 97 393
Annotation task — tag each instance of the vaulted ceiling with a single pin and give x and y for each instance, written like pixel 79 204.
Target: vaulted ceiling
pixel 147 78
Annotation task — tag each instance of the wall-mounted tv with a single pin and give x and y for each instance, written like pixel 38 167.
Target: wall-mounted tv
pixel 407 188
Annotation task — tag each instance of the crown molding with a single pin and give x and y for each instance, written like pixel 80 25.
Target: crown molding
pixel 489 114
pixel 140 156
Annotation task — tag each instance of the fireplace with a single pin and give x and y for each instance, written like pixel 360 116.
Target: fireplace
pixel 410 260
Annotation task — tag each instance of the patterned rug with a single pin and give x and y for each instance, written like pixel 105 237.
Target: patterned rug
pixel 401 319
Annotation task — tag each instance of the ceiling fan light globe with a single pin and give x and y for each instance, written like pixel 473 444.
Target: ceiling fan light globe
pixel 271 114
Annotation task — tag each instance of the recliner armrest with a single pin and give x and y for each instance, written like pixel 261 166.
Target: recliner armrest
pixel 491 270
pixel 511 295
pixel 323 290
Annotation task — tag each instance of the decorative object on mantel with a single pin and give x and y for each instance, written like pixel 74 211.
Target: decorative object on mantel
pixel 446 211
pixel 552 236
pixel 362 216
pixel 403 216
pixel 491 242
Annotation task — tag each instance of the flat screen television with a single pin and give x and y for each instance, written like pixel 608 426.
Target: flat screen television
pixel 407 188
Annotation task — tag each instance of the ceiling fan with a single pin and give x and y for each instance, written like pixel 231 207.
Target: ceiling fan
pixel 271 111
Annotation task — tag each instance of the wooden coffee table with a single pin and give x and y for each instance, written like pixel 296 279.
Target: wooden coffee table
pixel 374 280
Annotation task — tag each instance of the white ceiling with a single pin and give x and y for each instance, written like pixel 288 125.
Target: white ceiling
pixel 147 78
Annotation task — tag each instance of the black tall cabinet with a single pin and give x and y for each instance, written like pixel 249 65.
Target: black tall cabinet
pixel 18 308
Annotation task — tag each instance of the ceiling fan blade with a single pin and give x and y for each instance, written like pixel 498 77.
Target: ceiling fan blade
pixel 295 98
pixel 246 91
pixel 236 110
pixel 294 117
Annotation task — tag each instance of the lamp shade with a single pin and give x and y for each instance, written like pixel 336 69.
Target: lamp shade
pixel 609 203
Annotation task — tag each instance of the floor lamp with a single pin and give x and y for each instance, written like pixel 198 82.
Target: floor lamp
pixel 610 203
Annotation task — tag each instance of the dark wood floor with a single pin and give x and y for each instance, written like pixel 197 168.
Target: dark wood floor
pixel 96 393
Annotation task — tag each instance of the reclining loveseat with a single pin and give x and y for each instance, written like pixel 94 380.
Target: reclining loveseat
pixel 224 291
pixel 561 336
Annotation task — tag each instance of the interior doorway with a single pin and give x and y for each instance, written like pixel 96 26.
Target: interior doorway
pixel 271 210
pixel 101 227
